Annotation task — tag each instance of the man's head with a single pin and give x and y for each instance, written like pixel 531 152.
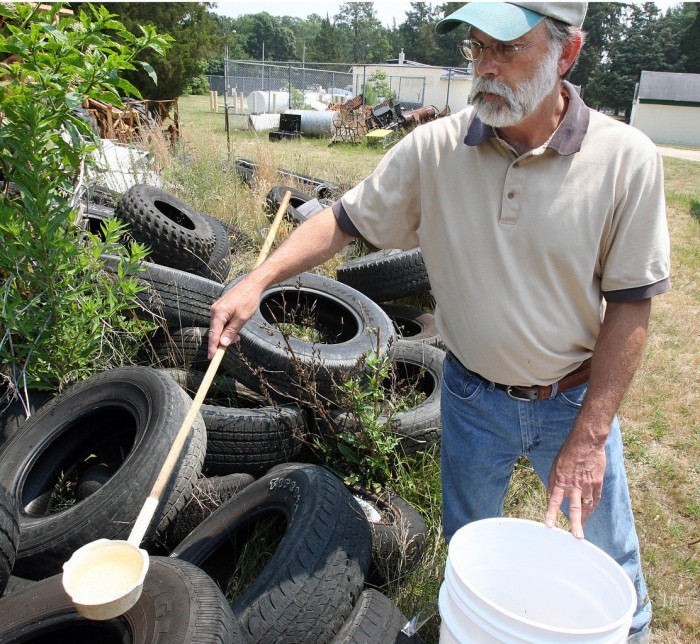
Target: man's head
pixel 520 51
pixel 507 21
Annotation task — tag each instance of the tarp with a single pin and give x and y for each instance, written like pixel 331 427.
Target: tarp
pixel 122 166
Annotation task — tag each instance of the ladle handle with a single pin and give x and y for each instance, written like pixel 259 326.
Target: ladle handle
pixel 273 228
pixel 149 507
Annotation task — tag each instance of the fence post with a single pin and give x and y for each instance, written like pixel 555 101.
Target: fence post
pixel 449 82
pixel 364 84
pixel 226 88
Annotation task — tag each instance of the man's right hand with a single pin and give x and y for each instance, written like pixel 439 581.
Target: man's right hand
pixel 230 312
pixel 315 241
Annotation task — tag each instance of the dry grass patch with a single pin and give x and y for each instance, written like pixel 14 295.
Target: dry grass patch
pixel 661 425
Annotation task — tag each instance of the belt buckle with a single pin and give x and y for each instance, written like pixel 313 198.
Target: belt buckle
pixel 520 393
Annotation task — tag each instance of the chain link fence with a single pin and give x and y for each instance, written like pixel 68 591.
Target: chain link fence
pixel 256 87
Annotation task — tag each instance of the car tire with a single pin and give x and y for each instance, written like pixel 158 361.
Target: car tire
pixel 9 536
pixel 387 274
pixel 375 620
pixel 252 440
pixel 416 367
pixel 308 587
pixel 179 604
pixel 399 534
pixel 178 235
pixel 413 324
pixel 268 360
pixel 209 493
pixel 128 418
pixel 276 196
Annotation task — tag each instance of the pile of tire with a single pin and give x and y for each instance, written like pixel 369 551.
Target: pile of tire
pixel 81 466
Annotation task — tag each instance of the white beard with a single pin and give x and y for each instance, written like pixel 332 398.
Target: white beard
pixel 517 103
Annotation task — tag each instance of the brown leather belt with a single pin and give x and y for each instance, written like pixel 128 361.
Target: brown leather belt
pixel 543 392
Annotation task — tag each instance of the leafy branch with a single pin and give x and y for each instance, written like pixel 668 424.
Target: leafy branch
pixel 62 316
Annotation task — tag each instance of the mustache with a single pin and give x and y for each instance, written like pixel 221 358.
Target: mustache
pixel 483 85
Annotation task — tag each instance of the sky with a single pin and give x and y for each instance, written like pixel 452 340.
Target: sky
pixel 387 10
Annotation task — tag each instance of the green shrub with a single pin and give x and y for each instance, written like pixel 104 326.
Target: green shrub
pixel 364 452
pixel 199 86
pixel 62 316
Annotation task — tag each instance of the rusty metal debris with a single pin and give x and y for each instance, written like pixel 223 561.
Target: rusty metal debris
pixel 357 119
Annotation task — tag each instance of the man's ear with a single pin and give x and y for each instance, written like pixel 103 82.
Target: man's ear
pixel 568 54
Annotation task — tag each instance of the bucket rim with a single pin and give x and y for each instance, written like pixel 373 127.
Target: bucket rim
pixel 612 626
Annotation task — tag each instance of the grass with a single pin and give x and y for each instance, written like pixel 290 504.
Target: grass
pixel 660 416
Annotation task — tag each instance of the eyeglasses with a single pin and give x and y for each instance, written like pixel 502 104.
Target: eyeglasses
pixel 501 52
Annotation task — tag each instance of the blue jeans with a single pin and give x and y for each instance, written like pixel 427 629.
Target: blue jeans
pixel 484 432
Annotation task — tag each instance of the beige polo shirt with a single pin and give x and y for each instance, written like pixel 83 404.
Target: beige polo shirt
pixel 521 251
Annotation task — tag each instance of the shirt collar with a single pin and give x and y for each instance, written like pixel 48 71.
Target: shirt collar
pixel 566 140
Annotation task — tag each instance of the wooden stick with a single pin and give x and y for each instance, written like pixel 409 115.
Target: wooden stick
pixel 274 228
pixel 151 503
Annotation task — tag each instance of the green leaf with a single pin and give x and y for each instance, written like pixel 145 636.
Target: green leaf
pixel 150 71
pixel 128 87
pixel 56 33
pixel 74 100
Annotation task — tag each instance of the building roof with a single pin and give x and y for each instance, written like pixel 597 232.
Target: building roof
pixel 669 87
pixel 408 63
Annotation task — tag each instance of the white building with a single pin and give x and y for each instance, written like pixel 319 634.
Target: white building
pixel 416 85
pixel 667 108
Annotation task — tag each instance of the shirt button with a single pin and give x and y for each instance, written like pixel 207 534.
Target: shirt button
pixel 511 195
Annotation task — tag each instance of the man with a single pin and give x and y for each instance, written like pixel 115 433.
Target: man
pixel 542 226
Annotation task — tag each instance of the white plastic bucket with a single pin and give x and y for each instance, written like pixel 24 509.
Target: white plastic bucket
pixel 512 580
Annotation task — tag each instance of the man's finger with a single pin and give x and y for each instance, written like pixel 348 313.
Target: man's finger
pixel 588 504
pixel 214 335
pixel 555 500
pixel 216 329
pixel 575 514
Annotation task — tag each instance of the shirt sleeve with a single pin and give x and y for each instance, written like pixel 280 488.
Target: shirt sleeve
pixel 384 209
pixel 637 250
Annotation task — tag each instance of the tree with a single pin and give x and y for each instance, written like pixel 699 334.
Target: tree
pixel 447 53
pixel 365 40
pixel 690 42
pixel 602 28
pixel 644 43
pixel 417 34
pixel 193 30
pixel 266 32
pixel 305 32
pixel 325 46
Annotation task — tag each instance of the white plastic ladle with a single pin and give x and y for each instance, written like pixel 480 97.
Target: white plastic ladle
pixel 104 578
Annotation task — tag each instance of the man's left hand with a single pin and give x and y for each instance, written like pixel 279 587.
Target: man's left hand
pixel 577 474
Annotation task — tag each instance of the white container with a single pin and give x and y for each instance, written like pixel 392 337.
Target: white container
pixel 512 580
pixel 316 123
pixel 268 102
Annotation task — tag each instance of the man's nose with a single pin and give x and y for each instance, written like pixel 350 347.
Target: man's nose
pixel 486 65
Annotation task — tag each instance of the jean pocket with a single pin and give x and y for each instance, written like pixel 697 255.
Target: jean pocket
pixel 574 397
pixel 459 382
